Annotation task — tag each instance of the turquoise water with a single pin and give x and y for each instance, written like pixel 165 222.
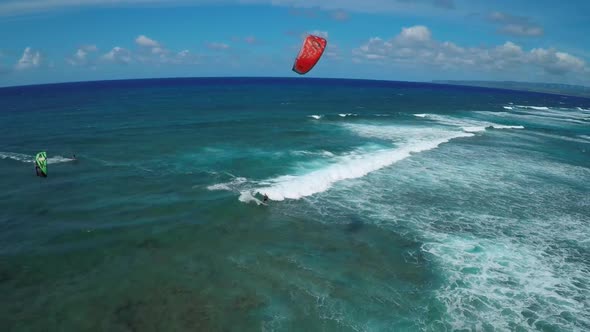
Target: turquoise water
pixel 393 206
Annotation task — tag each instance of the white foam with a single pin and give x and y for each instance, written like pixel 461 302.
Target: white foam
pixel 508 107
pixel 560 115
pixel 327 153
pixel 229 186
pixel 474 129
pixel 347 114
pixel 501 114
pixel 497 126
pixel 582 109
pixel 247 197
pixel 219 186
pixel 16 156
pixel 58 159
pixel 420 115
pixel 29 159
pixel 469 126
pixel 323 153
pixel 360 163
pixel 315 116
pixel 538 108
pixel 499 274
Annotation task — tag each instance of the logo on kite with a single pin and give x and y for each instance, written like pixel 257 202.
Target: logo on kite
pixel 311 51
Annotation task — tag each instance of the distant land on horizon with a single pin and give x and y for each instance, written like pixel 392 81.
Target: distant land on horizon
pixel 553 88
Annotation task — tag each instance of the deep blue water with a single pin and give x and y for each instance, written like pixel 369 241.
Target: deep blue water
pixel 393 206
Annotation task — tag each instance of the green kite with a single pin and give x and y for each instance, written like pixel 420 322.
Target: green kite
pixel 41 160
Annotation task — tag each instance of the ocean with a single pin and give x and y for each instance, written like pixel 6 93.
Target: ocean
pixel 393 206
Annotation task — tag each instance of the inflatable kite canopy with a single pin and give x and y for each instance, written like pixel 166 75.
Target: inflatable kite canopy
pixel 311 51
pixel 41 159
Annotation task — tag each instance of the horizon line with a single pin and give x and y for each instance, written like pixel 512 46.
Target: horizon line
pixel 443 82
pixel 208 77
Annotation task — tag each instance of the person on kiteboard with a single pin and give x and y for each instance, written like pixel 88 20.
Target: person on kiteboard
pixel 39 171
pixel 265 198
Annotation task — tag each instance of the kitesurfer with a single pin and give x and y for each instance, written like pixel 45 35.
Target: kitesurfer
pixel 39 171
pixel 265 198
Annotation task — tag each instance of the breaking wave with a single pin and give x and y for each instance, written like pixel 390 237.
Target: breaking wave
pixel 360 163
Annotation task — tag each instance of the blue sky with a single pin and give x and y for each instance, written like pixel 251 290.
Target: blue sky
pixel 44 41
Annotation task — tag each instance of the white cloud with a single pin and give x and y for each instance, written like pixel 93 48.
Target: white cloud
pixel 151 51
pixel 30 59
pixel 80 58
pixel 415 34
pixel 159 50
pixel 146 42
pixel 415 46
pixel 558 63
pixel 118 55
pixel 81 54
